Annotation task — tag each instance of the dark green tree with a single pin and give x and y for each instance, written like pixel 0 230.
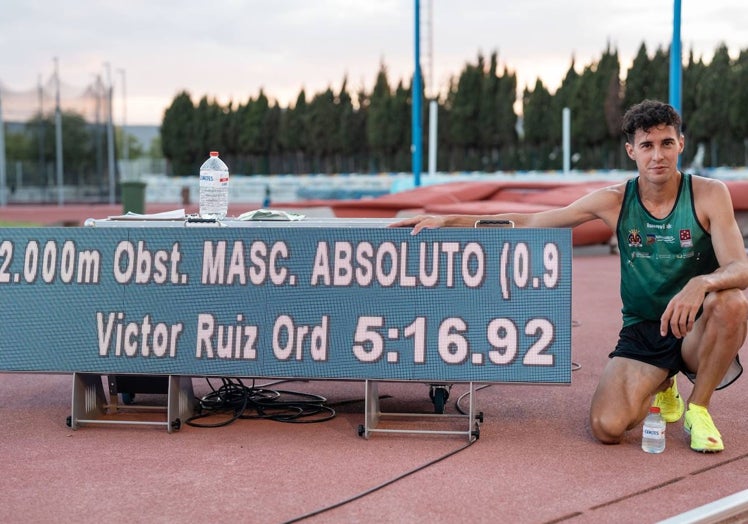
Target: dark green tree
pixel 254 142
pixel 693 73
pixel 323 130
pixel 399 128
pixel 464 121
pixel 596 111
pixel 208 125
pixel 353 131
pixel 565 97
pixel 647 78
pixel 488 113
pixel 271 156
pixel 497 119
pixel 177 136
pixel 506 116
pixel 712 111
pixel 738 106
pixel 536 108
pixel 377 122
pixel 292 134
pixel 78 158
pixel 444 159
pixel 19 151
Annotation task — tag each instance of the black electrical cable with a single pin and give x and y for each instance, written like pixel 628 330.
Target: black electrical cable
pixel 233 400
pixel 574 367
pixel 292 406
pixel 457 402
pixel 380 486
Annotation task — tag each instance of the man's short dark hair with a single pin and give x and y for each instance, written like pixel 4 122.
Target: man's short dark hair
pixel 648 114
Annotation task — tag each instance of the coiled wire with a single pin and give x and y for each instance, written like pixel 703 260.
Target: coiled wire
pixel 233 400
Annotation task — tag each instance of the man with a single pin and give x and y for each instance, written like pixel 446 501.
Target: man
pixel 683 269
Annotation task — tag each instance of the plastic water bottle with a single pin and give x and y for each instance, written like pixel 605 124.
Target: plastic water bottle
pixel 653 433
pixel 214 188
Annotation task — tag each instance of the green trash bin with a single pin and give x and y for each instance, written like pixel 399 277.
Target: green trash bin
pixel 133 197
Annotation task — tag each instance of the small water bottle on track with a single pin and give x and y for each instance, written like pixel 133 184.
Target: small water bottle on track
pixel 653 432
pixel 214 188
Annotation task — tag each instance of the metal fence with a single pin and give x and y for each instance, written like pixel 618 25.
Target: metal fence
pixel 57 142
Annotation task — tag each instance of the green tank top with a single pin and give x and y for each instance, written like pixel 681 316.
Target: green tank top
pixel 659 255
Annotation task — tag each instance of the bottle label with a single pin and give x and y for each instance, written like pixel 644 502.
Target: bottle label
pixel 213 178
pixel 656 433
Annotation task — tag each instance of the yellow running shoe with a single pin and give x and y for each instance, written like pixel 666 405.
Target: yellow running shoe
pixel 670 403
pixel 704 435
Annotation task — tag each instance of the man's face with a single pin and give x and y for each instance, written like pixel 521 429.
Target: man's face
pixel 656 151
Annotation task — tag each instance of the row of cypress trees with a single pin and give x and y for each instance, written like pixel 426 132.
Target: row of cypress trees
pixel 479 127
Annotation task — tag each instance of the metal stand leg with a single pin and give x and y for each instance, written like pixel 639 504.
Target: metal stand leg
pixel 181 401
pixel 89 401
pixel 89 404
pixel 371 409
pixel 373 416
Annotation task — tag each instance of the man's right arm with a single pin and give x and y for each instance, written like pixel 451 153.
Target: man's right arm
pixel 604 203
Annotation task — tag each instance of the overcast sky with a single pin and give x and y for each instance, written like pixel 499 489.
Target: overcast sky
pixel 230 49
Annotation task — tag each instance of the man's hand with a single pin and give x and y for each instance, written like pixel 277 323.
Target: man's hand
pixel 680 313
pixel 421 222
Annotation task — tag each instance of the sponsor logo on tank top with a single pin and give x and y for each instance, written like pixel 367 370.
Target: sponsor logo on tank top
pixel 634 238
pixel 685 238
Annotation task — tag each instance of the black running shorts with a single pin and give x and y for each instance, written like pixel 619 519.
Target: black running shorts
pixel 642 341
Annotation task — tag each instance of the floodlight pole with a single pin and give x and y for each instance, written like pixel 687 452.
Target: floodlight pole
pixel 416 139
pixel 676 66
pixel 433 106
pixel 676 62
pixel 125 141
pixel 110 134
pixel 3 178
pixel 58 138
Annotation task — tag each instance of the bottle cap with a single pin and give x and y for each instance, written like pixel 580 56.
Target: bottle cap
pixel 214 153
pixel 654 409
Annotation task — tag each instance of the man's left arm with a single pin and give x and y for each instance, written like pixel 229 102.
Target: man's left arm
pixel 727 240
pixel 729 248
